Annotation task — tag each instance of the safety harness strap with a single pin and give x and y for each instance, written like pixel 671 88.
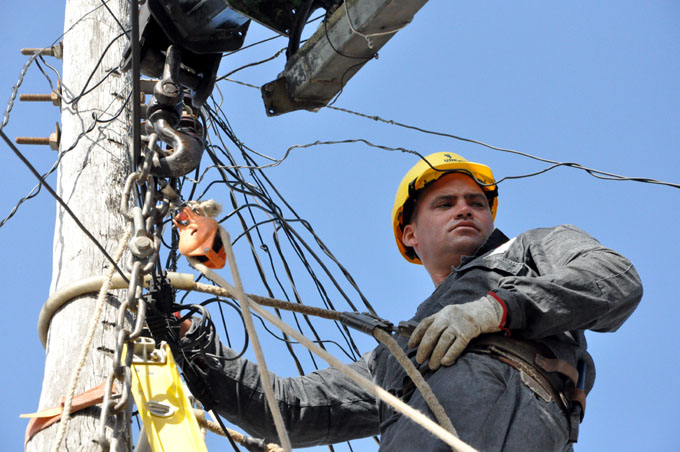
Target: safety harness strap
pixel 556 376
pixel 43 419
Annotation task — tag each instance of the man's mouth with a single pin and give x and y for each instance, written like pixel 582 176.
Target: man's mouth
pixel 465 224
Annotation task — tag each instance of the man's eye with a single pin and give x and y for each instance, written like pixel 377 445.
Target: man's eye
pixel 444 205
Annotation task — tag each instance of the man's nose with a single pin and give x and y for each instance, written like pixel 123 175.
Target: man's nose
pixel 464 212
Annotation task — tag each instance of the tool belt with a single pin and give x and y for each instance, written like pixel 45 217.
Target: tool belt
pixel 547 376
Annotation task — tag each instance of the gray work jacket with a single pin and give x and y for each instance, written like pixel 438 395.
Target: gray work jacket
pixel 555 283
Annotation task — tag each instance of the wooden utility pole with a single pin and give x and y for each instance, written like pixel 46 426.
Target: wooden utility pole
pixel 92 172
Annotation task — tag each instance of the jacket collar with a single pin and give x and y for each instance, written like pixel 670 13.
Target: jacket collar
pixel 496 239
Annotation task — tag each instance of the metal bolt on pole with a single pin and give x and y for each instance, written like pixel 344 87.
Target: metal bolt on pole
pixel 53 97
pixel 56 51
pixel 52 141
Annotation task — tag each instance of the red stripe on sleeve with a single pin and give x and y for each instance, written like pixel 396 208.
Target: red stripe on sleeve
pixel 505 312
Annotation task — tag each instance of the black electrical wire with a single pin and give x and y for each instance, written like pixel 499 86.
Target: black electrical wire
pixel 271 38
pixel 135 57
pixel 245 66
pixel 342 81
pixel 328 38
pixel 234 306
pixel 284 338
pixel 85 91
pixel 35 190
pixel 277 36
pixel 324 248
pixel 593 172
pixel 217 121
pixel 116 115
pixel 65 206
pixel 263 277
pixel 297 296
pixel 344 332
pixel 226 432
pixel 262 274
pixel 104 3
pixel 224 325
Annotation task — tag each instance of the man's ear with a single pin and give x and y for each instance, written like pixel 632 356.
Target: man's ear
pixel 408 237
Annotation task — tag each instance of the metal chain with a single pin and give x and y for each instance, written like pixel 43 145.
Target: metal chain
pixel 147 222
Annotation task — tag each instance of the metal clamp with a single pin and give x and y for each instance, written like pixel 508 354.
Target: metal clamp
pixel 367 323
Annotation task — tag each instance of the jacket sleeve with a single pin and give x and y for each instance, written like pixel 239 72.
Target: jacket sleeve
pixel 575 284
pixel 322 407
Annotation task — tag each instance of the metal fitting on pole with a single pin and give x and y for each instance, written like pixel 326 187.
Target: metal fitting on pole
pixel 56 51
pixel 54 96
pixel 52 141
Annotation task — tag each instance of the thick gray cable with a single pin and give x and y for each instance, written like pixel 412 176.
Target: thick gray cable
pixel 183 281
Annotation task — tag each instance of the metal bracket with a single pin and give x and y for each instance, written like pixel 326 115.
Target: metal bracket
pixel 277 99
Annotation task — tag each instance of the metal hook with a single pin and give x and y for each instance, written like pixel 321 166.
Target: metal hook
pixel 187 150
pixel 183 134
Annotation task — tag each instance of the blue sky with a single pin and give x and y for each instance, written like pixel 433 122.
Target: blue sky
pixel 594 83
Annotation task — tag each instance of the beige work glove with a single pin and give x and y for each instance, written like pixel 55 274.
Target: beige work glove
pixel 443 336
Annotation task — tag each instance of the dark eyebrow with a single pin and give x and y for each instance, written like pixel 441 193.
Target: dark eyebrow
pixel 469 198
pixel 480 197
pixel 443 198
pixel 474 196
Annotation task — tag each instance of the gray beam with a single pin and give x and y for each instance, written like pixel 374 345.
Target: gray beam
pixel 335 52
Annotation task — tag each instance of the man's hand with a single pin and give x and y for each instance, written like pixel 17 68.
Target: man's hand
pixel 184 327
pixel 443 336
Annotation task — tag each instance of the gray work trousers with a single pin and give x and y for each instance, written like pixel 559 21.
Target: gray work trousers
pixel 491 409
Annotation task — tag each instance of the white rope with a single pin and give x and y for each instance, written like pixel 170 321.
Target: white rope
pixel 208 208
pixel 252 333
pixel 413 414
pixel 367 37
pixel 85 348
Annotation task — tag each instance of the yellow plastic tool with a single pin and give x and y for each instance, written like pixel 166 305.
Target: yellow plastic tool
pixel 167 415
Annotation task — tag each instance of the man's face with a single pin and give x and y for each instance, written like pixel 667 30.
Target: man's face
pixel 452 219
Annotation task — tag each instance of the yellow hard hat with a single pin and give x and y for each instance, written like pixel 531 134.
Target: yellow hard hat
pixel 425 172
